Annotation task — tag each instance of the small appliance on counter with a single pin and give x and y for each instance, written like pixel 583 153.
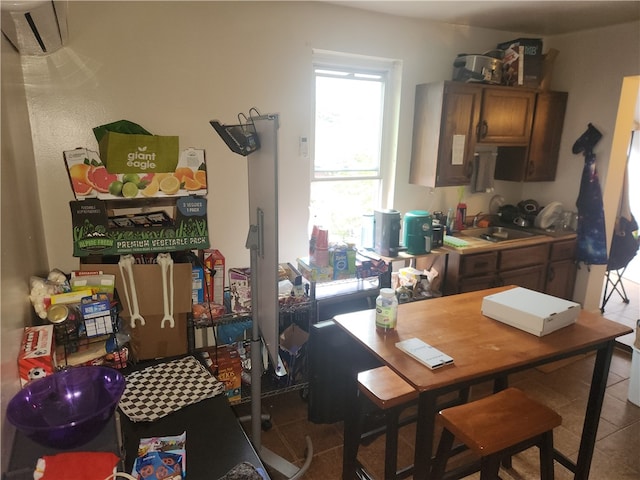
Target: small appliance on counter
pixel 386 232
pixel 417 229
pixel 485 68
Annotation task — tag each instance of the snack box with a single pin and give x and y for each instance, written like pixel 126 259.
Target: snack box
pixel 313 273
pixel 240 286
pixel 36 358
pixel 534 312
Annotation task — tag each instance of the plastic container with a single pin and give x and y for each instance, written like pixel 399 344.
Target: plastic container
pixel 386 310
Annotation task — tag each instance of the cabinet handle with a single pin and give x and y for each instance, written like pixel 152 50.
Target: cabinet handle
pixel 551 275
pixel 484 130
pixel 531 168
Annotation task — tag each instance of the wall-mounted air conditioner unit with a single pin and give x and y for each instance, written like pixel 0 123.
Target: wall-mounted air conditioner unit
pixel 36 27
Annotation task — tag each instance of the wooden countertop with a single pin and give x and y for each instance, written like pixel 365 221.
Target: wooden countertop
pixel 478 245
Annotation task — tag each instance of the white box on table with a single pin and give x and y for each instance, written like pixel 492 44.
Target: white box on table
pixel 534 312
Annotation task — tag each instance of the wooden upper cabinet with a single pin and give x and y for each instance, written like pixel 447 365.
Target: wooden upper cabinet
pixel 541 161
pixel 445 119
pixel 545 136
pixel 452 118
pixel 507 115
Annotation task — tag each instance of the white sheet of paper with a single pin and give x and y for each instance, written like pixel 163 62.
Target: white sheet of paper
pixel 457 152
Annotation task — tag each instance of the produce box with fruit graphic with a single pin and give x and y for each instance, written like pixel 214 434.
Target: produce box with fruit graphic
pixel 91 177
pixel 99 230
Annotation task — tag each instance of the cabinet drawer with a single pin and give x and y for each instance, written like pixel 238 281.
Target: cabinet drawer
pixel 532 277
pixel 478 264
pixel 564 250
pixel 523 257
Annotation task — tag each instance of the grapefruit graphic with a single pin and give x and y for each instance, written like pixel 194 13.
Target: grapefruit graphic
pixel 100 179
pixel 80 172
pixel 81 188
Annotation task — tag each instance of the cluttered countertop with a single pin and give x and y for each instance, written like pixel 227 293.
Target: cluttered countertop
pixel 471 240
pixel 509 226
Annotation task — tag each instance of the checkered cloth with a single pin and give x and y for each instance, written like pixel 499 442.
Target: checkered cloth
pixel 157 391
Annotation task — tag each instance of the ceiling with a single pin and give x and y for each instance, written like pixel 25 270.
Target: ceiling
pixel 529 17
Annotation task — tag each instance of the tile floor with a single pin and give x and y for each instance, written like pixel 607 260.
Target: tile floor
pixel 563 387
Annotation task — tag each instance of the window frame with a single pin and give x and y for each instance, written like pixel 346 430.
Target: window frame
pixel 390 69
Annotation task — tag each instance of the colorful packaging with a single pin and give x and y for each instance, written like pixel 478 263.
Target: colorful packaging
pixel 240 285
pixel 214 276
pixel 36 358
pixel 197 285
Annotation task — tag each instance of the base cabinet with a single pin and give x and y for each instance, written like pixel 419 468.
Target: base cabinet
pixel 562 268
pixel 548 267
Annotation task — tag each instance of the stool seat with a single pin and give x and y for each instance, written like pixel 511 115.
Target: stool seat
pixel 385 388
pixel 499 421
pixel 496 427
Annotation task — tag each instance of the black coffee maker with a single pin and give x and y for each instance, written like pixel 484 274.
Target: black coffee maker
pixel 386 232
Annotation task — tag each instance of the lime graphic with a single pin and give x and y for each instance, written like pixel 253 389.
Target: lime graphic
pixel 129 190
pixel 116 188
pixel 131 177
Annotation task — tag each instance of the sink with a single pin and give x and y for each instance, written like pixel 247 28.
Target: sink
pixel 497 234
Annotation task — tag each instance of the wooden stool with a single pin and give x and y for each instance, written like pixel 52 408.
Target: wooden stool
pixel 391 394
pixel 500 425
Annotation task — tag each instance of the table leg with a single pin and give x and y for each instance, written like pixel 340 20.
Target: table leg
pixel 425 429
pixel 594 409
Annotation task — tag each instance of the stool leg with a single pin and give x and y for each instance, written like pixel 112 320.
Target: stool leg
pixel 391 444
pixel 442 454
pixel 490 465
pixel 546 456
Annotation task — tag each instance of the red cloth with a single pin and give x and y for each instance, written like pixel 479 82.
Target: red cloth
pixel 79 466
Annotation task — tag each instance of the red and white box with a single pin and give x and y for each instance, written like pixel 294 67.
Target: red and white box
pixel 214 273
pixel 36 358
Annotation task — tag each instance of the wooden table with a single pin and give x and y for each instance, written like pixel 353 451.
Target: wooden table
pixel 483 349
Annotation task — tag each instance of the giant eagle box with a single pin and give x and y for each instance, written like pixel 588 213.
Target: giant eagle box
pixel 534 312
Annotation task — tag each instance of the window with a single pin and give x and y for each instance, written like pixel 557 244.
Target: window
pixel 352 162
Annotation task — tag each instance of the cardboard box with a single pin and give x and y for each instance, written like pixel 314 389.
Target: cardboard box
pixel 94 233
pixel 229 369
pixel 150 341
pixel 292 352
pixel 105 176
pixel 534 312
pixel 37 354
pixel 197 285
pixel 313 273
pixel 343 262
pixel 214 275
pixel 522 63
pixel 240 286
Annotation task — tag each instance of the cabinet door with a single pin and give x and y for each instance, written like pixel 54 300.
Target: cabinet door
pixel 561 279
pixel 507 115
pixel 460 114
pixel 546 132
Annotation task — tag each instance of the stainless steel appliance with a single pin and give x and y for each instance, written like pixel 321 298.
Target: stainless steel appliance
pixel 386 232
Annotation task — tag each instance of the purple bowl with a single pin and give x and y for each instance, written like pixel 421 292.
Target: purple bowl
pixel 68 408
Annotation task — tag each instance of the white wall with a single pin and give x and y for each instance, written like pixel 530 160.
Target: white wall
pixel 173 66
pixel 591 67
pixel 22 241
